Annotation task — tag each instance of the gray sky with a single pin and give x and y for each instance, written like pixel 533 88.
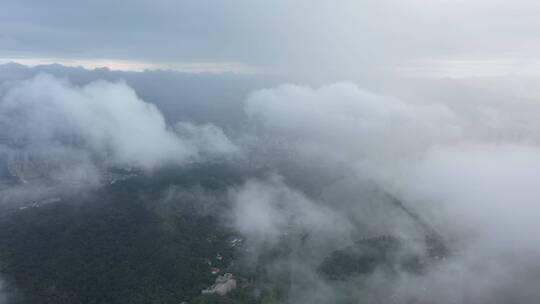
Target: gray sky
pixel 338 39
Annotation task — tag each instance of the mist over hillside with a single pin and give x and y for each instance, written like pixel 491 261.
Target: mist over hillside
pixel 144 187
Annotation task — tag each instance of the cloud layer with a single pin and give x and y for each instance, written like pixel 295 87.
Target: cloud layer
pixel 474 181
pixel 360 38
pixel 328 160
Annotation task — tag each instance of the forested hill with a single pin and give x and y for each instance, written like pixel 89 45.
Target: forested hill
pixel 124 243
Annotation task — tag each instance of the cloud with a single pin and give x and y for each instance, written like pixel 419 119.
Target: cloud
pixel 482 197
pixel 279 36
pixel 486 192
pixel 209 139
pixel 107 118
pixel 341 122
pixel 267 209
pixel 471 179
pixel 98 125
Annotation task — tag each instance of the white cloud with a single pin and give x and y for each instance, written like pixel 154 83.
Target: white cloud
pixel 105 117
pixel 209 139
pixel 343 122
pixel 462 168
pixel 267 209
pixel 102 121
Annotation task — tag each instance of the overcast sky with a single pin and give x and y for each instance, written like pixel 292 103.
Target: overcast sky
pixel 344 39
